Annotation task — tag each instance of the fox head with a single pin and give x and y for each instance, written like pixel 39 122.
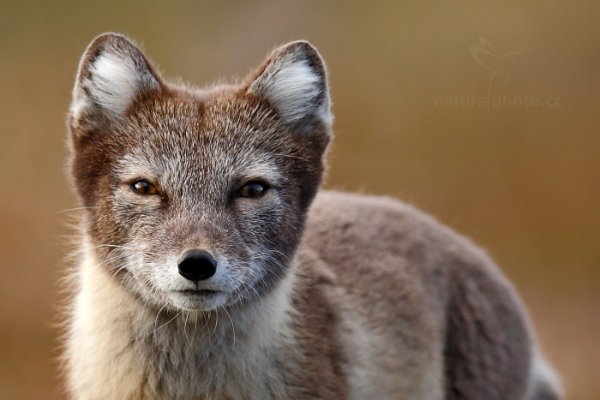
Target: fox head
pixel 196 200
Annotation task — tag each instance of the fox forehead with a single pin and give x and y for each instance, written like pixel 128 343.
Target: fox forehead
pixel 169 136
pixel 173 168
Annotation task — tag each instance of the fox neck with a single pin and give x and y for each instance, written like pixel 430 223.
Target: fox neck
pixel 224 354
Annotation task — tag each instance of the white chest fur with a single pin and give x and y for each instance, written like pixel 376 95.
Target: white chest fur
pixel 119 349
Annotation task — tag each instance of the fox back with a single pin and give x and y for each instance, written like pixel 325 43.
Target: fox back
pixel 210 268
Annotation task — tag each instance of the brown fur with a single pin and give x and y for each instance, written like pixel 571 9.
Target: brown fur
pixel 340 296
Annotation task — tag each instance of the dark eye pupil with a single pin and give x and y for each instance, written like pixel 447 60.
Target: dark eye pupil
pixel 253 190
pixel 142 187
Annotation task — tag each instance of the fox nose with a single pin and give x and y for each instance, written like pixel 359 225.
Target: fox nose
pixel 197 265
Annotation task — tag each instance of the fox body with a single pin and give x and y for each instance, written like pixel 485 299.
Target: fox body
pixel 210 267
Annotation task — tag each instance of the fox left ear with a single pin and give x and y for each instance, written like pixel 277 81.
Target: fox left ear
pixel 293 80
pixel 112 74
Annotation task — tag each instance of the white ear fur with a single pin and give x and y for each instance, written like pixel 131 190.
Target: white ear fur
pixel 295 83
pixel 114 82
pixel 112 79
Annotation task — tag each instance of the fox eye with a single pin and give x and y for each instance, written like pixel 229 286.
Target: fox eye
pixel 143 187
pixel 253 190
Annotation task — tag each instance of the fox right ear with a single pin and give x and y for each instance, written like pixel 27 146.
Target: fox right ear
pixel 112 74
pixel 293 80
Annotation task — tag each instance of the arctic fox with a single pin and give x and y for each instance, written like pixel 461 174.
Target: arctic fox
pixel 212 267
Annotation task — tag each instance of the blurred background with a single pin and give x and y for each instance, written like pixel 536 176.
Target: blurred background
pixel 485 114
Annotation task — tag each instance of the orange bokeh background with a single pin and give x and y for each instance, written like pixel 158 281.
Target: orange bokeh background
pixel 485 114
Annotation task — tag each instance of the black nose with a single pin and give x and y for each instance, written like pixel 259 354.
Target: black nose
pixel 197 265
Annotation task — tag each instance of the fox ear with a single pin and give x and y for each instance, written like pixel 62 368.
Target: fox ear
pixel 293 80
pixel 112 74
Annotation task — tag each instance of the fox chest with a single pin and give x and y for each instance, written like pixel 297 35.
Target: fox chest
pixel 192 370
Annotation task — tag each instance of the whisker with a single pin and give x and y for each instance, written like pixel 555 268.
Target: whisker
pixel 74 209
pixel 187 315
pixel 232 326
pixel 157 315
pixel 169 321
